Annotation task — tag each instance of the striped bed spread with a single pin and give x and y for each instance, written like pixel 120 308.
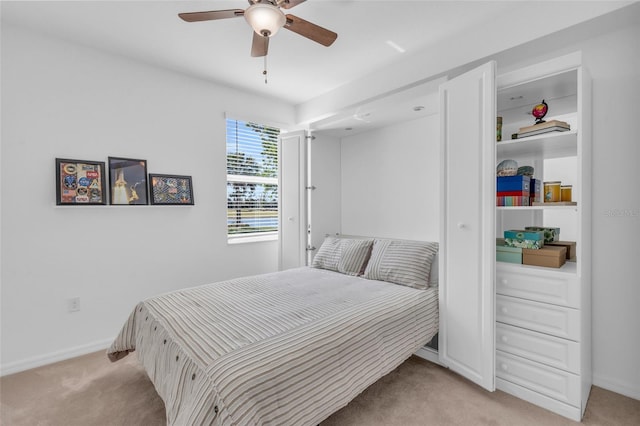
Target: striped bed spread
pixel 284 348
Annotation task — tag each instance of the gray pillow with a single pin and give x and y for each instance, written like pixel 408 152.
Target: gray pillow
pixel 344 255
pixel 402 262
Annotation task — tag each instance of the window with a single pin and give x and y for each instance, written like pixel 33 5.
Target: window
pixel 252 180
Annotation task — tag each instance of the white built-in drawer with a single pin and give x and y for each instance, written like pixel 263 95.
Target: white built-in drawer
pixel 542 286
pixel 549 350
pixel 550 319
pixel 557 384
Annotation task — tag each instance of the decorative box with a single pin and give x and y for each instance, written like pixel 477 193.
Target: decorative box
pixel 504 253
pixel 513 183
pixel 512 201
pixel 571 248
pixel 513 194
pixel 550 234
pixel 549 256
pixel 535 192
pixel 524 239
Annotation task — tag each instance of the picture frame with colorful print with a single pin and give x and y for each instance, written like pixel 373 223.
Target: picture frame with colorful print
pixel 80 182
pixel 128 181
pixel 171 189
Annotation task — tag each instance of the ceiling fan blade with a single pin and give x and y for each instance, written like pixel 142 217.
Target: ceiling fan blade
pixel 311 31
pixel 211 15
pixel 288 4
pixel 260 45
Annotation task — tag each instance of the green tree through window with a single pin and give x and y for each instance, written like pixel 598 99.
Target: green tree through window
pixel 252 179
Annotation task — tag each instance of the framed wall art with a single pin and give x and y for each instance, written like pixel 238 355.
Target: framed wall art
pixel 171 189
pixel 128 181
pixel 80 182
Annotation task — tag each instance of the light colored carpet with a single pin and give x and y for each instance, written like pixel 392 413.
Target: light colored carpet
pixel 91 391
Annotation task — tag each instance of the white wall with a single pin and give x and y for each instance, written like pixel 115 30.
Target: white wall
pixel 63 100
pixel 614 63
pixel 391 181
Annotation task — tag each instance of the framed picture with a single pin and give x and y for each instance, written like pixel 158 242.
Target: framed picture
pixel 171 189
pixel 128 181
pixel 80 182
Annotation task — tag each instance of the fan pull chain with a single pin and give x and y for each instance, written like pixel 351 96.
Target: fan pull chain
pixel 265 69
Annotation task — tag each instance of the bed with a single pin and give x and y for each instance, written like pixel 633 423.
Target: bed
pixel 290 347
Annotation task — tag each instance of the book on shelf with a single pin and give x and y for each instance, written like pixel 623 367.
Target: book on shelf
pixel 546 124
pixel 542 131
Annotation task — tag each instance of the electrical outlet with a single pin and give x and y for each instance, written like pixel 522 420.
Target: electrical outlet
pixel 73 304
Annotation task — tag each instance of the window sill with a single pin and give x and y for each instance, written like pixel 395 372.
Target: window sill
pixel 252 238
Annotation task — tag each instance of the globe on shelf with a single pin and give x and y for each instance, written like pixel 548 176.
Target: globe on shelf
pixel 539 111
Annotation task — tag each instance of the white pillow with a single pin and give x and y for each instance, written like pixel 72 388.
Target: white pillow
pixel 402 262
pixel 344 255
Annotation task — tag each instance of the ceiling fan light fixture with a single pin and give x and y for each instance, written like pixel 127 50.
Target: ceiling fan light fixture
pixel 265 19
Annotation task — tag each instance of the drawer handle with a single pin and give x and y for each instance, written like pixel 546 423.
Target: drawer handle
pixel 504 367
pixel 504 281
pixel 504 310
pixel 504 339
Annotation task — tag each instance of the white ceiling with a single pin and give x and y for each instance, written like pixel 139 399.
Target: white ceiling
pixel 299 70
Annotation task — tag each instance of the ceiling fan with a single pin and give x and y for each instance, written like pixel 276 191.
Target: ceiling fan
pixel 266 18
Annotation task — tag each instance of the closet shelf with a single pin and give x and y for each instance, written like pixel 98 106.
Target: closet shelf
pixel 548 145
pixel 570 268
pixel 542 207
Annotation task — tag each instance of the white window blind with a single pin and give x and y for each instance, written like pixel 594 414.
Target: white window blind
pixel 252 179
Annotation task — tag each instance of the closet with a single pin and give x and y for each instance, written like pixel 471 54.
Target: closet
pixel 292 214
pixel 522 329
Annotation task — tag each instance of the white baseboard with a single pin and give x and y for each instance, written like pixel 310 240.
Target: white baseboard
pixel 632 390
pixel 50 358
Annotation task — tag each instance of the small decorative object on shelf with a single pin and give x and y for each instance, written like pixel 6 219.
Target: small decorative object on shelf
pixel 507 168
pixel 499 129
pixel 548 256
pixel 550 234
pixel 565 192
pixel 524 239
pixel 513 201
pixel 535 191
pixel 552 192
pixel 525 171
pixel 517 183
pixel 505 253
pixel 513 191
pixel 539 111
pixel 571 248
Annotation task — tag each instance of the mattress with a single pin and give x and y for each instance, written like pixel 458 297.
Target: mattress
pixel 285 348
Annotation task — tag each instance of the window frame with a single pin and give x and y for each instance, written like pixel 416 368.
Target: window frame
pixel 246 237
